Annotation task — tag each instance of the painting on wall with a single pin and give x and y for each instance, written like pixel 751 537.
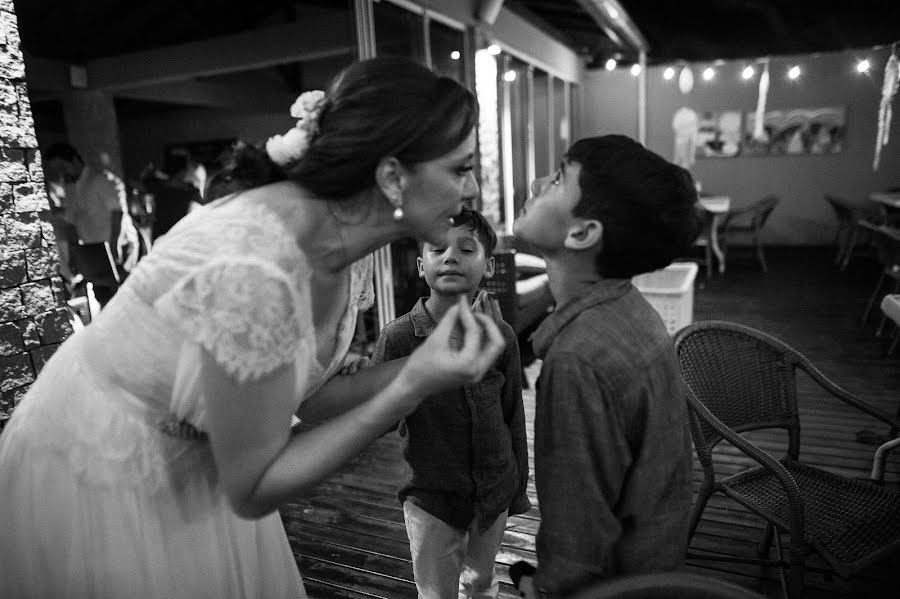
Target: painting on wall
pixel 797 132
pixel 719 134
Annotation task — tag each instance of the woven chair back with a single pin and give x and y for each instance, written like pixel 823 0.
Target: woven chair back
pixel 503 284
pixel 745 381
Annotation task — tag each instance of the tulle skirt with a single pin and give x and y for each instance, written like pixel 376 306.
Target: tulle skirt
pixel 96 502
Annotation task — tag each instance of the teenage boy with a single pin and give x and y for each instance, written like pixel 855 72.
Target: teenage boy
pixel 612 445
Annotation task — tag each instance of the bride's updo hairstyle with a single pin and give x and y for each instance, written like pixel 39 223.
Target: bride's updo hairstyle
pixel 374 108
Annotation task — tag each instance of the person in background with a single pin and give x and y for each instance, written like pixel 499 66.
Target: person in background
pixel 92 197
pixel 466 447
pixel 173 198
pixel 612 446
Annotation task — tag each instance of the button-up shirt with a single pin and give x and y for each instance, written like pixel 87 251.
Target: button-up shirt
pixel 612 443
pixel 466 448
pixel 91 201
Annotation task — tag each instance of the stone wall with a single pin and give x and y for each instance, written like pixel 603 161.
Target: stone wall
pixel 33 320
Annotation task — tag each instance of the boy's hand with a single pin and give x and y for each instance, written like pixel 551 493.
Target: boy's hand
pixel 355 366
pixel 486 303
pixel 459 352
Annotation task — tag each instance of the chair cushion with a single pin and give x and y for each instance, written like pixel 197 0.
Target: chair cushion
pixel 850 522
pixel 890 305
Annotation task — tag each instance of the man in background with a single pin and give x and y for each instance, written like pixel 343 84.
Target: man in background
pixel 93 201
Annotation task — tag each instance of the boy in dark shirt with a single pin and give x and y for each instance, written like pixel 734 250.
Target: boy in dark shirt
pixel 466 449
pixel 612 444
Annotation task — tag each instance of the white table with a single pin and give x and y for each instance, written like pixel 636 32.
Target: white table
pixel 716 206
pixel 891 200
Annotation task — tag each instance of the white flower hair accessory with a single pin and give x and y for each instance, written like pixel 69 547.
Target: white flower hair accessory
pixel 290 147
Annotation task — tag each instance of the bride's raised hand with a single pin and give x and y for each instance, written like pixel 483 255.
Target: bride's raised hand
pixel 459 352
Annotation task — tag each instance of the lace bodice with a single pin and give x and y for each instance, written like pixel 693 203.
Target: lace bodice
pixel 228 278
pixel 231 279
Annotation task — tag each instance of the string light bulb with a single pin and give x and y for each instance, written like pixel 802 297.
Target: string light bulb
pixel 708 73
pixel 610 64
pixel 863 66
pixel 748 72
pixel 669 73
pixel 454 55
pixel 793 73
pixel 509 76
pixel 494 49
pixel 635 69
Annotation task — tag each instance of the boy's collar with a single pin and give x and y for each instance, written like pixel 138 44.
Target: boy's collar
pixel 598 293
pixel 422 321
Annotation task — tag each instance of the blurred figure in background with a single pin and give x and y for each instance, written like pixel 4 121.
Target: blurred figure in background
pixel 92 200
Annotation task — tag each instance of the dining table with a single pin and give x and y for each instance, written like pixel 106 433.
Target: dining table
pixel 891 199
pixel 716 206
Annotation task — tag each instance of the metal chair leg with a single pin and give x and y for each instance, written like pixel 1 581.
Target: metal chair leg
pixel 894 340
pixel 759 254
pixel 851 243
pixel 765 543
pixel 703 495
pixel 871 302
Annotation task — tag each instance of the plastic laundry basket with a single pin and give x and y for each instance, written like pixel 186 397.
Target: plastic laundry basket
pixel 671 292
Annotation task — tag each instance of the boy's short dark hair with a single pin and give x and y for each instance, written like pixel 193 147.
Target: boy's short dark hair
pixel 477 223
pixel 646 204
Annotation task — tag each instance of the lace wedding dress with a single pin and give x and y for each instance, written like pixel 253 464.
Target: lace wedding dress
pixel 104 490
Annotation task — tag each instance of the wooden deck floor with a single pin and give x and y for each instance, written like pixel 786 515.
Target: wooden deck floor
pixel 348 533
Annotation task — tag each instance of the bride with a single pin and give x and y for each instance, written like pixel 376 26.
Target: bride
pixel 151 454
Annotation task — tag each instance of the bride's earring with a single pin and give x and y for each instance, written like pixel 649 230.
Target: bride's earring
pixel 397 201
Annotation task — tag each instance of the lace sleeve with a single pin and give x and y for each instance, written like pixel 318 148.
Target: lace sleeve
pixel 245 312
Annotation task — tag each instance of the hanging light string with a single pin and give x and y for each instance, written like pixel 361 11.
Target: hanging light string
pixel 748 70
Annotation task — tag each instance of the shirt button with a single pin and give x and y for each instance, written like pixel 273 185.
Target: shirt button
pixel 475 435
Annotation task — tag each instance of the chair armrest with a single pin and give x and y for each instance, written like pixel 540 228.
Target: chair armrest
pixel 791 489
pixel 844 395
pixel 880 457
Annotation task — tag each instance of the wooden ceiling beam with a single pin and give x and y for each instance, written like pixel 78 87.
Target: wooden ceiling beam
pixel 209 94
pixel 254 49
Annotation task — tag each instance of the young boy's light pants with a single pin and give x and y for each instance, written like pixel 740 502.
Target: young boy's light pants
pixel 449 563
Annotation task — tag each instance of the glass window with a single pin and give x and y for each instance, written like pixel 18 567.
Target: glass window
pixel 574 111
pixel 399 32
pixel 447 51
pixel 542 136
pixel 486 89
pixel 515 77
pixel 560 119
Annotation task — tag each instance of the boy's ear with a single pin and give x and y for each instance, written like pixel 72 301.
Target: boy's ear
pixel 420 266
pixel 489 265
pixel 584 234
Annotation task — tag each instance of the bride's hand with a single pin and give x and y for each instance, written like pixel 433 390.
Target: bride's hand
pixel 459 352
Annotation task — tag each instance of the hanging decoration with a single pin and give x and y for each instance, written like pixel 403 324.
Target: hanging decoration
pixel 758 130
pixel 885 110
pixel 685 124
pixel 686 80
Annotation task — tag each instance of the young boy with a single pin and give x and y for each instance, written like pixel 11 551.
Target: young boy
pixel 466 449
pixel 612 445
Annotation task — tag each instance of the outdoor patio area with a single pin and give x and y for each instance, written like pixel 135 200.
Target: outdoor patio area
pixel 348 534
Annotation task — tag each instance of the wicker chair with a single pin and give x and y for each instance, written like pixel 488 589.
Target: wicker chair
pixel 740 379
pixel 849 216
pixel 886 241
pixel 665 585
pixel 503 284
pixel 749 220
